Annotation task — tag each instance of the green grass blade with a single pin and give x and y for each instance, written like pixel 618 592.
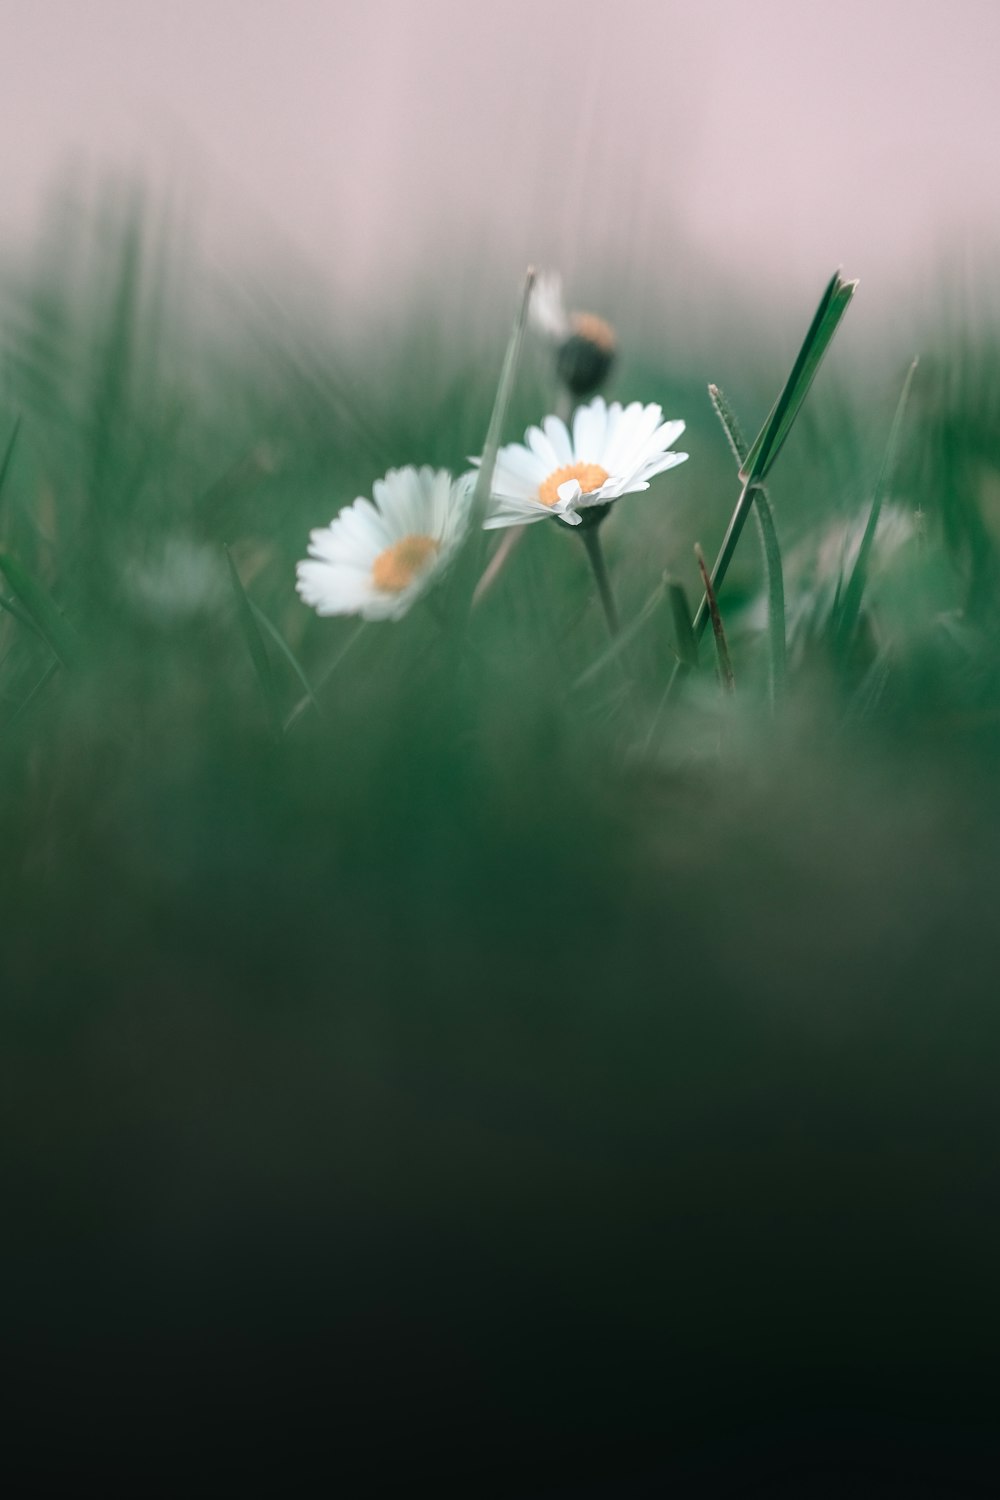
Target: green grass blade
pixel 847 610
pixel 286 651
pixel 49 619
pixel 505 386
pixel 721 645
pixel 255 646
pixel 326 674
pixel 9 453
pixel 680 609
pixel 23 707
pixel 469 568
pixel 623 638
pixel 21 615
pixel 769 441
pixel 769 546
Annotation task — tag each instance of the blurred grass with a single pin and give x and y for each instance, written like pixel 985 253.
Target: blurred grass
pixel 471 1054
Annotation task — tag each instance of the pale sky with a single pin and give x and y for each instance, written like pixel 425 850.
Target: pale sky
pixel 777 138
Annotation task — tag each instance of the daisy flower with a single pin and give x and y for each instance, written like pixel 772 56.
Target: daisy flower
pixel 376 559
pixel 613 451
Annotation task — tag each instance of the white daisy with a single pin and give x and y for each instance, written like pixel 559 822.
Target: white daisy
pixel 375 560
pixel 614 450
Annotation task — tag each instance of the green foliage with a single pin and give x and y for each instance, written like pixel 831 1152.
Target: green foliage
pixel 504 969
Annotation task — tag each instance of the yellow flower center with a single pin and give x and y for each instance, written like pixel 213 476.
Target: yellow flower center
pixel 589 477
pixel 595 330
pixel 395 568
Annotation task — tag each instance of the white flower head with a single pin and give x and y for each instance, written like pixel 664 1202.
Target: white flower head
pixel 613 451
pixel 375 560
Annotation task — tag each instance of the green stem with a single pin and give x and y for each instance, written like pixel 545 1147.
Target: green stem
pixel 769 545
pixel 595 553
pixel 721 644
pixel 726 552
pixel 775 592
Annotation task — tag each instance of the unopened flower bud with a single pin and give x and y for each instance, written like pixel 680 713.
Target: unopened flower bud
pixel 585 356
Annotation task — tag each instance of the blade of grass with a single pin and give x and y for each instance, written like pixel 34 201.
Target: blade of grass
pixel 471 561
pixel 13 608
pixel 826 320
pixel 769 545
pixel 764 450
pixel 505 385
pixel 324 676
pixel 286 651
pixel 680 609
pixel 22 708
pixel 255 645
pixel 623 638
pixel 848 609
pixel 52 624
pixel 9 452
pixel 721 645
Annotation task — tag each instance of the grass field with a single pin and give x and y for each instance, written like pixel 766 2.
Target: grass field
pixel 567 1084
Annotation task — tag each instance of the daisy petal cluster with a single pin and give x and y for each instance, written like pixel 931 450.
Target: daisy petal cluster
pixel 612 451
pixel 378 556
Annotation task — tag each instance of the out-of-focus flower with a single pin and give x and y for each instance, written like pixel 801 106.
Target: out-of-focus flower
pixel 548 310
pixel 375 560
pixel 180 579
pixel 613 451
pixel 585 344
pixel 817 569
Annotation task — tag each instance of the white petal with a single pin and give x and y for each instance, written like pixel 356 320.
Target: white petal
pixel 555 431
pixel 661 465
pixel 332 591
pixel 515 518
pixel 589 429
pixel 542 449
pixel 518 472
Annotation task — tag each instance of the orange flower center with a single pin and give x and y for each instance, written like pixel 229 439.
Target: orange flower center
pixel 589 477
pixel 395 568
pixel 595 330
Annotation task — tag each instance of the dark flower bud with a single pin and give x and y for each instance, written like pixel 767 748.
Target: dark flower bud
pixel 584 358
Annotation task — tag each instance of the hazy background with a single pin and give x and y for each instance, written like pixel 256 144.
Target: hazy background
pixel 377 138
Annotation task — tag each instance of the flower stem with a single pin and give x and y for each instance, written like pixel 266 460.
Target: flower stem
pixel 595 552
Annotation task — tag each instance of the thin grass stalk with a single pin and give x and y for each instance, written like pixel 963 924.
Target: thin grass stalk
pixel 770 548
pixel 721 644
pixel 308 700
pixel 471 563
pixel 851 606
